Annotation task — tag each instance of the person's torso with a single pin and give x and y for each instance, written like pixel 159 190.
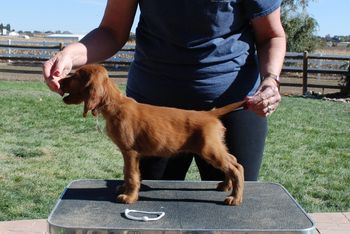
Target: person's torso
pixel 203 47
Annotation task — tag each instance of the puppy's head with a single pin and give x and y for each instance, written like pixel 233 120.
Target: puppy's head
pixel 85 85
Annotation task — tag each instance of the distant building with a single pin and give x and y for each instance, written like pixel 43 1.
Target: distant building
pixel 4 30
pixel 76 37
pixel 13 34
pixel 344 44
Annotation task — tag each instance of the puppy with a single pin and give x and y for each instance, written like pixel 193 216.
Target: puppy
pixel 140 130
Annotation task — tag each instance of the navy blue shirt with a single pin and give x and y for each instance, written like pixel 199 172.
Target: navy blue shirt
pixel 196 54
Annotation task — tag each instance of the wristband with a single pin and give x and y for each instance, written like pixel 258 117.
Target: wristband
pixel 272 76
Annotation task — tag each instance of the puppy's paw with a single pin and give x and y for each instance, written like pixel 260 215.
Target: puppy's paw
pixel 224 186
pixel 233 201
pixel 127 199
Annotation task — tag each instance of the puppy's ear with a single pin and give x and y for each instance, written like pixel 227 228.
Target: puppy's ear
pixel 90 102
pixel 93 97
pixel 93 90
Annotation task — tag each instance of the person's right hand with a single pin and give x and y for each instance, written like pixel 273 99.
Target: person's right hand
pixel 56 68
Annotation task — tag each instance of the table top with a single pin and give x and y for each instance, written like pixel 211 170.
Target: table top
pixel 189 207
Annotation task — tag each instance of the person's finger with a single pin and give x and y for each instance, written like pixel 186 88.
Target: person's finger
pixel 56 84
pixel 269 96
pixel 53 70
pixel 47 68
pixel 51 84
pixel 265 101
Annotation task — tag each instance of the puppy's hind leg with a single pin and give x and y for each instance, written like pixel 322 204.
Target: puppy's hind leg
pixel 131 186
pixel 234 176
pixel 236 173
pixel 227 185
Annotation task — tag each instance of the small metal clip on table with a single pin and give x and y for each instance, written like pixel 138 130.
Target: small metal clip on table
pixel 90 207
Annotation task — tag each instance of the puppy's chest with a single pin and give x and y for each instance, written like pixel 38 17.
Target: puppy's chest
pixel 113 130
pixel 119 133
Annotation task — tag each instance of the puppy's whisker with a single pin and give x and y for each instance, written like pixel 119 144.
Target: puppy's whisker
pixel 99 126
pixel 97 111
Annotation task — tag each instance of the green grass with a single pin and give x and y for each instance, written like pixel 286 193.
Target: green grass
pixel 308 151
pixel 45 144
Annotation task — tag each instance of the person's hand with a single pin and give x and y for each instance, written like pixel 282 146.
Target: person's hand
pixel 55 69
pixel 267 98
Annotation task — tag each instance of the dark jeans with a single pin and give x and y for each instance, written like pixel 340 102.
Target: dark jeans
pixel 245 138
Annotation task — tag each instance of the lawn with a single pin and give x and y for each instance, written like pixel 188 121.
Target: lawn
pixel 45 144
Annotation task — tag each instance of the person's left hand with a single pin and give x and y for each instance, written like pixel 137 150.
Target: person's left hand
pixel 267 98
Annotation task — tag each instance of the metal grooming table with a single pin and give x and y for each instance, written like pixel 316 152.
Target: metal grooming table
pixel 90 207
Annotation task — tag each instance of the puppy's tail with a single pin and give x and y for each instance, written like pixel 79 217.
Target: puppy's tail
pixel 228 108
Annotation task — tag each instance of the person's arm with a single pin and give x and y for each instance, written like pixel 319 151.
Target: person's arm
pixel 98 45
pixel 112 34
pixel 270 41
pixel 271 46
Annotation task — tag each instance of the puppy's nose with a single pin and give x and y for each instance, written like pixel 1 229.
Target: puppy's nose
pixel 64 85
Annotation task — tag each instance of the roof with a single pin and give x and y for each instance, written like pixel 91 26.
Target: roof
pixel 68 36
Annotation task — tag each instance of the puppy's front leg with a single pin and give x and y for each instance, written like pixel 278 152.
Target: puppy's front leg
pixel 131 186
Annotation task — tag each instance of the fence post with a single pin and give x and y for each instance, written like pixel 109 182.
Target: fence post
pixel 346 88
pixel 305 66
pixel 61 46
pixel 9 42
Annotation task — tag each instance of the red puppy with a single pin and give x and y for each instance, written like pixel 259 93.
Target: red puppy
pixel 140 130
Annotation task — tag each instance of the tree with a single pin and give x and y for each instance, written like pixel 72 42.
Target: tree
pixel 299 26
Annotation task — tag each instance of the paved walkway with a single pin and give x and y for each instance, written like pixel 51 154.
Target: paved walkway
pixel 332 223
pixel 326 223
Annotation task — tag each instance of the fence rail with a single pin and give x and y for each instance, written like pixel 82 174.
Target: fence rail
pixel 39 53
pixel 305 69
pixel 300 63
pixel 34 47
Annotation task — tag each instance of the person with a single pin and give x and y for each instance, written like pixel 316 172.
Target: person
pixel 193 54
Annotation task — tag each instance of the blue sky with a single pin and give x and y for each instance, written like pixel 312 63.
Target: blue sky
pixel 80 16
